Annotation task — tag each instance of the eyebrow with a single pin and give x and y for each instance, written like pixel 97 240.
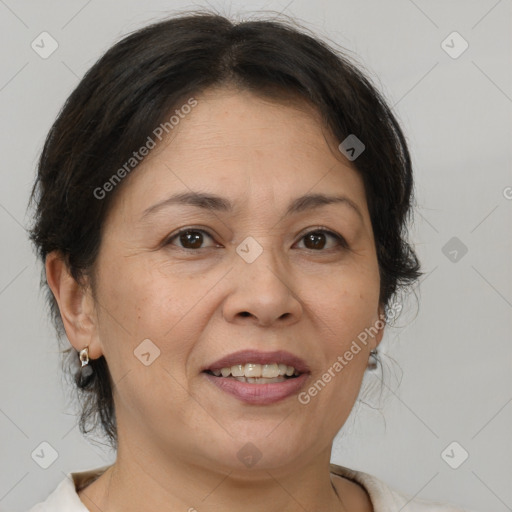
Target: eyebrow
pixel 221 204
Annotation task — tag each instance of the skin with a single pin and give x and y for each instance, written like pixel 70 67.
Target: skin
pixel 178 434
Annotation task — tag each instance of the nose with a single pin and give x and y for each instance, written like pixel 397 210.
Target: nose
pixel 261 293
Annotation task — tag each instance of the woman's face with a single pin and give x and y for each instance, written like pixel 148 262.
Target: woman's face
pixel 257 277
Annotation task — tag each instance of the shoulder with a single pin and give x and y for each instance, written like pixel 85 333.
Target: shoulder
pixel 386 499
pixel 65 496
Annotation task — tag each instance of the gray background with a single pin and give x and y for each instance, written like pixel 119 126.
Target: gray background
pixel 452 343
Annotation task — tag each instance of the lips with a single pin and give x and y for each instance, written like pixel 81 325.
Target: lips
pixel 258 394
pixel 258 357
pixel 256 391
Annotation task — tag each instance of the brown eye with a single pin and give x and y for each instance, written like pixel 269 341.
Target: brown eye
pixel 318 239
pixel 189 238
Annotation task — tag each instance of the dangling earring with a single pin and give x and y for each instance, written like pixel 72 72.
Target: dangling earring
pixel 85 369
pixel 372 360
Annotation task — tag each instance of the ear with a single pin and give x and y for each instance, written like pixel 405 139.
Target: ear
pixel 76 305
pixel 381 325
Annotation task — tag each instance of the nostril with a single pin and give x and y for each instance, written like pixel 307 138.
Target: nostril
pixel 245 313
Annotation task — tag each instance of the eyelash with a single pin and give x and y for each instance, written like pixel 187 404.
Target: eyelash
pixel 320 229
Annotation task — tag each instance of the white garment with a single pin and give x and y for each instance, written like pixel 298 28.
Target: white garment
pixel 384 499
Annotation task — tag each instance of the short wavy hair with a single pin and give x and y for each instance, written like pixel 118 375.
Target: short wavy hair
pixel 132 88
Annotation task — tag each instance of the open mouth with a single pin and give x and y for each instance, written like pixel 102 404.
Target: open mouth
pixel 268 379
pixel 254 373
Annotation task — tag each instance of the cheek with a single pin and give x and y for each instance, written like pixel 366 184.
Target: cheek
pixel 144 312
pixel 140 299
pixel 138 302
pixel 345 303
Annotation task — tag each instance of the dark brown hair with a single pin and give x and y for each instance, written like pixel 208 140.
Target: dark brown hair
pixel 132 89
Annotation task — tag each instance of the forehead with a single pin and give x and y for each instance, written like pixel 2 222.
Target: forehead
pixel 234 143
pixel 232 123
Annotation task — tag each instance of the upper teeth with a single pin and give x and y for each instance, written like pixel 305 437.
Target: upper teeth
pixel 256 370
